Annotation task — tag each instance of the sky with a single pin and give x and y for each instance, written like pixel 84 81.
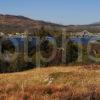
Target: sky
pixel 58 11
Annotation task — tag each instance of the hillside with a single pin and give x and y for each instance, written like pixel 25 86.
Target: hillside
pixel 53 83
pixel 13 24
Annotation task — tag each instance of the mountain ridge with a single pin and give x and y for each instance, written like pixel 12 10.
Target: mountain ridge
pixel 14 23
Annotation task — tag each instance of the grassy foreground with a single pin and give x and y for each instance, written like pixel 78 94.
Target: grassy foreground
pixel 53 83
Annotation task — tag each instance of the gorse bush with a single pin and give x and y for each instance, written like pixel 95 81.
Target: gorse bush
pixel 51 92
pixel 21 63
pixel 71 52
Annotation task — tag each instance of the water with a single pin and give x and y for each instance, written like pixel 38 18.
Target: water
pixel 33 42
pixel 85 40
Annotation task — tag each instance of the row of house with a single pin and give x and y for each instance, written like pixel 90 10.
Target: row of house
pixel 22 35
pixel 84 33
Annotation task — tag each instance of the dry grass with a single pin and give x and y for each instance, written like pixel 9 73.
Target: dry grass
pixel 54 83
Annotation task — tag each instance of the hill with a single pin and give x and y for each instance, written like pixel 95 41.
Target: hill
pixel 96 24
pixel 13 24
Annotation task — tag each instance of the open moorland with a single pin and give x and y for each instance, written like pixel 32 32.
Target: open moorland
pixel 52 83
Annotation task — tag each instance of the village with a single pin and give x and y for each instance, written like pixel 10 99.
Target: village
pixel 79 37
pixel 84 33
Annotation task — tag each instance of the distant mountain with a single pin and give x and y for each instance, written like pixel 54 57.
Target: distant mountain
pixel 13 24
pixel 96 24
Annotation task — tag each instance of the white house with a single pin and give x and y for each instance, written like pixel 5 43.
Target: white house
pixel 1 34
